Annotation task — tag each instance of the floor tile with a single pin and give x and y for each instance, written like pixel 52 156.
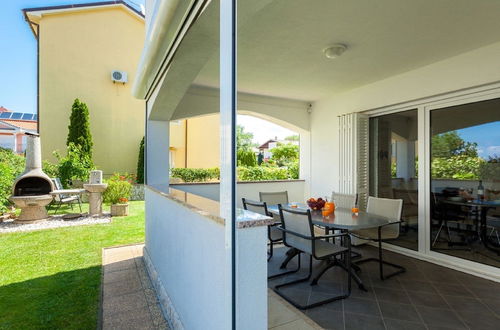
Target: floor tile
pixel 391 295
pixel 278 313
pixel 403 312
pixel 440 317
pixel 453 290
pixel 403 325
pixel 493 304
pixel 428 299
pixel 362 322
pixel 294 325
pixel 418 286
pixel 477 321
pixel 327 318
pixel 361 306
pixel 466 304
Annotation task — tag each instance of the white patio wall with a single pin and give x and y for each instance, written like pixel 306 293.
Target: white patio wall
pixel 471 69
pixel 185 255
pixel 295 188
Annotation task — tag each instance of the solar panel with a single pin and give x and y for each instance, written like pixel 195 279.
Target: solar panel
pixel 16 115
pixel 35 117
pixel 5 115
pixel 27 116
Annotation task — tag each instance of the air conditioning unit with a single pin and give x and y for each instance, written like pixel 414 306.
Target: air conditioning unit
pixel 119 76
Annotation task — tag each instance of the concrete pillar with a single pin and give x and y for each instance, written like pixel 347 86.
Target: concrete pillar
pixel 157 154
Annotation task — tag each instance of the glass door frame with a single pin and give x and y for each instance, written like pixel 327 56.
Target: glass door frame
pixel 424 107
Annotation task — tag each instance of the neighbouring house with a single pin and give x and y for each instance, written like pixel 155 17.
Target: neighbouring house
pixel 13 126
pixel 267 147
pixel 351 77
pixel 79 47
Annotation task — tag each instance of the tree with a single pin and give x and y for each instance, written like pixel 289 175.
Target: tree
pixel 244 145
pixel 450 144
pixel 246 157
pixel 292 138
pixel 285 154
pixel 243 139
pixel 79 129
pixel 140 163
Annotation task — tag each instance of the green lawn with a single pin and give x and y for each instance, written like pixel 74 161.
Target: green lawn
pixel 50 279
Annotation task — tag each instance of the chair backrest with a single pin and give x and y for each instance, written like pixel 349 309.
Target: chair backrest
pixel 297 221
pixel 345 201
pixel 57 183
pixel 274 198
pixel 386 207
pixel 255 206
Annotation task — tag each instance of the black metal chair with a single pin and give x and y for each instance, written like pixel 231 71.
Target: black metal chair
pixel 274 235
pixel 298 232
pixel 274 198
pixel 392 209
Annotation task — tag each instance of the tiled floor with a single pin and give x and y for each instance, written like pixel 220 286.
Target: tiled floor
pixel 128 299
pixel 427 296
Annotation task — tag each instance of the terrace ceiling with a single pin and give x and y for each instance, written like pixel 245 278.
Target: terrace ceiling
pixel 280 47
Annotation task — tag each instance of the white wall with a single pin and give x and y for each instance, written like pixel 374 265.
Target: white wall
pixel 471 69
pixel 296 190
pixel 187 251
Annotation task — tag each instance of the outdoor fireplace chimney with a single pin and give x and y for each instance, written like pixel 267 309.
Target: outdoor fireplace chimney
pixel 31 190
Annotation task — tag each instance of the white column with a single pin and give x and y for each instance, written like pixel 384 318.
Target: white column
pixel 157 154
pixel 227 148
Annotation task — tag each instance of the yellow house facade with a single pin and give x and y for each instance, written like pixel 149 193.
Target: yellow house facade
pixel 79 47
pixel 194 142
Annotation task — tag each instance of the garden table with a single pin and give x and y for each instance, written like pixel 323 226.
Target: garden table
pixel 483 207
pixel 342 219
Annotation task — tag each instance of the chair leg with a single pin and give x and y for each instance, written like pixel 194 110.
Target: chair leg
pixel 80 204
pixel 400 269
pixel 57 208
pixel 288 272
pixel 437 235
pixel 307 306
pixel 270 254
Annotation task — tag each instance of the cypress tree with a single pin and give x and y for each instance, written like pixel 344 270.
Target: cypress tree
pixel 140 163
pixel 79 128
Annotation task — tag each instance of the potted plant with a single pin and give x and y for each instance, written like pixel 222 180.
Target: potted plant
pixel 117 194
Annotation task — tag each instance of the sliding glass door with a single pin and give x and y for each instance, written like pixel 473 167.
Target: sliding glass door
pixel 393 167
pixel 464 191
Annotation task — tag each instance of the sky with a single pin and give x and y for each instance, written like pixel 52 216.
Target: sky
pixel 487 136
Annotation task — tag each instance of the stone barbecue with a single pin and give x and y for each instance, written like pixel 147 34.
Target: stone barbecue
pixel 31 190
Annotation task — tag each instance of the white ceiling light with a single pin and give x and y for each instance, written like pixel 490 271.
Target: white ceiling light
pixel 334 51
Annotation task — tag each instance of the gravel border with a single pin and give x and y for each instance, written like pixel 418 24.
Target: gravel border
pixel 54 221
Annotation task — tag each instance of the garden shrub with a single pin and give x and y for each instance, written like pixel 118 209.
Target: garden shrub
pixel 140 163
pixel 79 129
pixel 11 165
pixel 75 166
pixel 293 170
pixel 262 173
pixel 246 157
pixel 52 170
pixel 196 174
pixel 119 188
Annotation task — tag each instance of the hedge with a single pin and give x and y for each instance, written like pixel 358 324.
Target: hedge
pixel 245 173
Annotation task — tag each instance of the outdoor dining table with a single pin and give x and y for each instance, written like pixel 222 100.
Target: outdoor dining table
pixel 483 207
pixel 342 219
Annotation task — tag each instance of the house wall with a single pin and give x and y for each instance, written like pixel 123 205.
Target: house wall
pixel 78 51
pixel 470 69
